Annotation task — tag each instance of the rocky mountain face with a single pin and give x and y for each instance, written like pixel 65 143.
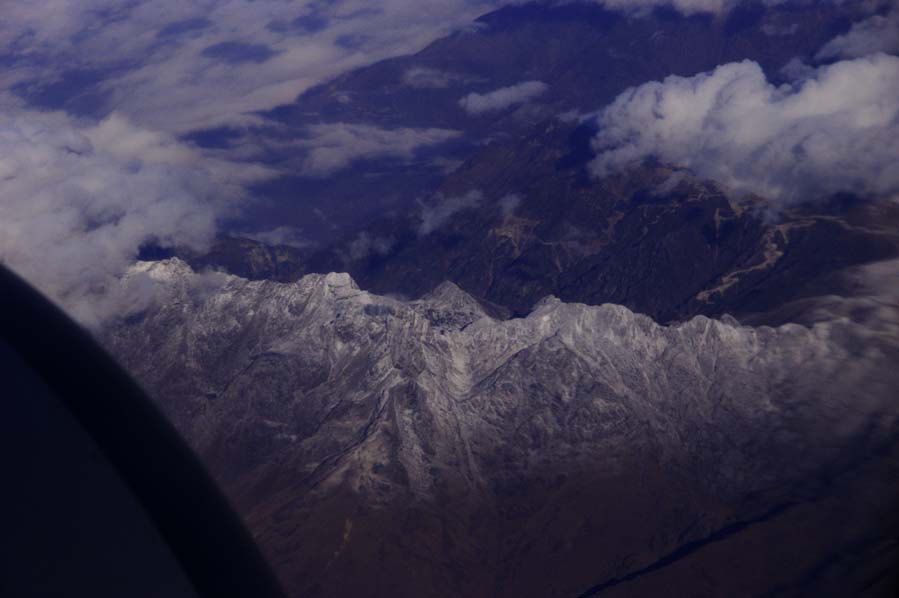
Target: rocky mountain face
pixel 385 447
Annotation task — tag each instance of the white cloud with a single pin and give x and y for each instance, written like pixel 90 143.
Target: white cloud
pixel 837 130
pixel 78 201
pixel 161 62
pixel 476 103
pixel 879 33
pixel 333 147
pixel 435 216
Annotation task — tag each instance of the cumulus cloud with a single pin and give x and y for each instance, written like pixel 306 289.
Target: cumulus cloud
pixel 78 202
pixel 879 33
pixel 836 130
pixel 333 147
pixel 436 215
pixel 476 103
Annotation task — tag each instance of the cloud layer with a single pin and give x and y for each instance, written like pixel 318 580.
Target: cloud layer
pixel 78 201
pixel 837 130
pixel 178 66
pixel 476 103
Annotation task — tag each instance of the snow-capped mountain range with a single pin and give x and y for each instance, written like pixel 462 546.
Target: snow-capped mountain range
pixel 543 455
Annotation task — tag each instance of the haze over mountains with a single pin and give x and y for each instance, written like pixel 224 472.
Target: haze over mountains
pixel 566 298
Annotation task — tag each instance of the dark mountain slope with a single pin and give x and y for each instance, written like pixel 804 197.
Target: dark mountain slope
pixel 670 251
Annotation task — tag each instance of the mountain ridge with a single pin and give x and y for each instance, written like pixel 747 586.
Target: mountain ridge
pixel 327 412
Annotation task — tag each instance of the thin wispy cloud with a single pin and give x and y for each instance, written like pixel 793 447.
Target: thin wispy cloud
pixel 438 212
pixel 508 204
pixel 427 78
pixel 878 33
pixel 333 147
pixel 365 245
pixel 504 97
